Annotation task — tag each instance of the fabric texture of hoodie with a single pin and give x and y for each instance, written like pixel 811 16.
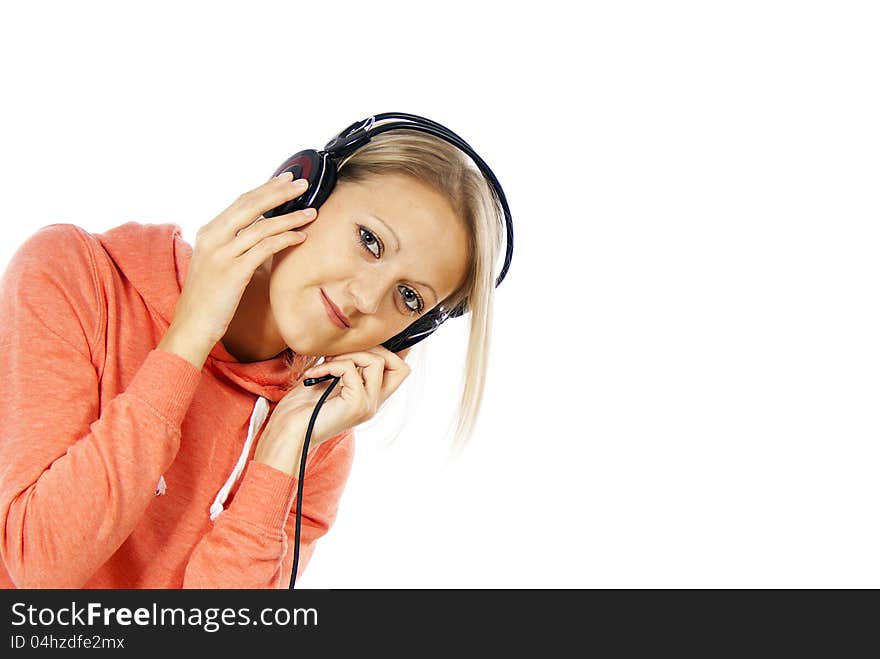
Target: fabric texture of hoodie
pixel 125 466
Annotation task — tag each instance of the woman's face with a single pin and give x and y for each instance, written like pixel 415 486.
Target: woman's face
pixel 385 251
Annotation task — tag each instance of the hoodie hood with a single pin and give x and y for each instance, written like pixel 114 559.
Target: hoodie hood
pixel 155 259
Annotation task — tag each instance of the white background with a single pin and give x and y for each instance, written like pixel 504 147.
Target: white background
pixel 684 372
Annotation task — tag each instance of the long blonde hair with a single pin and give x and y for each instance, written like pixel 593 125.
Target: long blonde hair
pixel 448 170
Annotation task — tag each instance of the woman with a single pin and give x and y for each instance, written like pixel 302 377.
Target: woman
pixel 131 359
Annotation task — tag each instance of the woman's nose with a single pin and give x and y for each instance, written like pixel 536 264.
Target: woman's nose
pixel 368 292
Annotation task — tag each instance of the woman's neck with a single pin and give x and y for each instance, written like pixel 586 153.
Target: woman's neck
pixel 252 335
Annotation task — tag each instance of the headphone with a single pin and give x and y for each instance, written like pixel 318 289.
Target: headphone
pixel 320 168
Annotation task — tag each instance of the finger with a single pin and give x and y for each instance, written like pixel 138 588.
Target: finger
pixel 264 228
pixel 392 381
pixel 363 360
pixel 251 204
pixel 393 359
pixel 286 221
pixel 361 357
pixel 349 375
pixel 396 371
pixel 374 374
pixel 372 370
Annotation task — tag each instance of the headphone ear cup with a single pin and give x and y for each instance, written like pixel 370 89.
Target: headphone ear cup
pixel 319 190
pixel 307 164
pixel 417 331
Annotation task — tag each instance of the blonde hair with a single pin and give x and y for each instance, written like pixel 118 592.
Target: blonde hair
pixel 451 172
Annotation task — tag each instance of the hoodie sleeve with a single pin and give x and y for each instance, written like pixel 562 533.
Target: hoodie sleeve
pixel 70 476
pixel 252 542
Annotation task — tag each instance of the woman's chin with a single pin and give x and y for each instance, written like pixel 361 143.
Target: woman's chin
pixel 304 346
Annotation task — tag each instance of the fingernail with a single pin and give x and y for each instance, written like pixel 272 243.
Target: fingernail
pixel 310 212
pixel 285 175
pixel 301 182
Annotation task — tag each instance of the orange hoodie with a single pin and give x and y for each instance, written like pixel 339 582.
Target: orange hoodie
pixel 117 459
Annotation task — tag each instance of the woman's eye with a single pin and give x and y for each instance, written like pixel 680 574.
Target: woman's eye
pixel 409 295
pixel 411 298
pixel 368 240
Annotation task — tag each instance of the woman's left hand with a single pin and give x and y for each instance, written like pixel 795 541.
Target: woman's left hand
pixel 368 378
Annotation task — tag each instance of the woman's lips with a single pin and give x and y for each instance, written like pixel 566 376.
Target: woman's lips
pixel 335 316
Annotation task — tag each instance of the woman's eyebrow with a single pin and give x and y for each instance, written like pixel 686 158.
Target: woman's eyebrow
pixel 397 248
pixel 390 230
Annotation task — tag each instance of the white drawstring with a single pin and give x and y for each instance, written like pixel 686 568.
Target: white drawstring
pixel 258 416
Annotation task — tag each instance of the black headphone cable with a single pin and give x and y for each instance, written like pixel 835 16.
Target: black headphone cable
pixel 302 465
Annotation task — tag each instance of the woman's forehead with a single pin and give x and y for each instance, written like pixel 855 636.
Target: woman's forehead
pixel 403 204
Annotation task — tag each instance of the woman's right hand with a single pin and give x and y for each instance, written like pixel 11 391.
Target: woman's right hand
pixel 229 249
